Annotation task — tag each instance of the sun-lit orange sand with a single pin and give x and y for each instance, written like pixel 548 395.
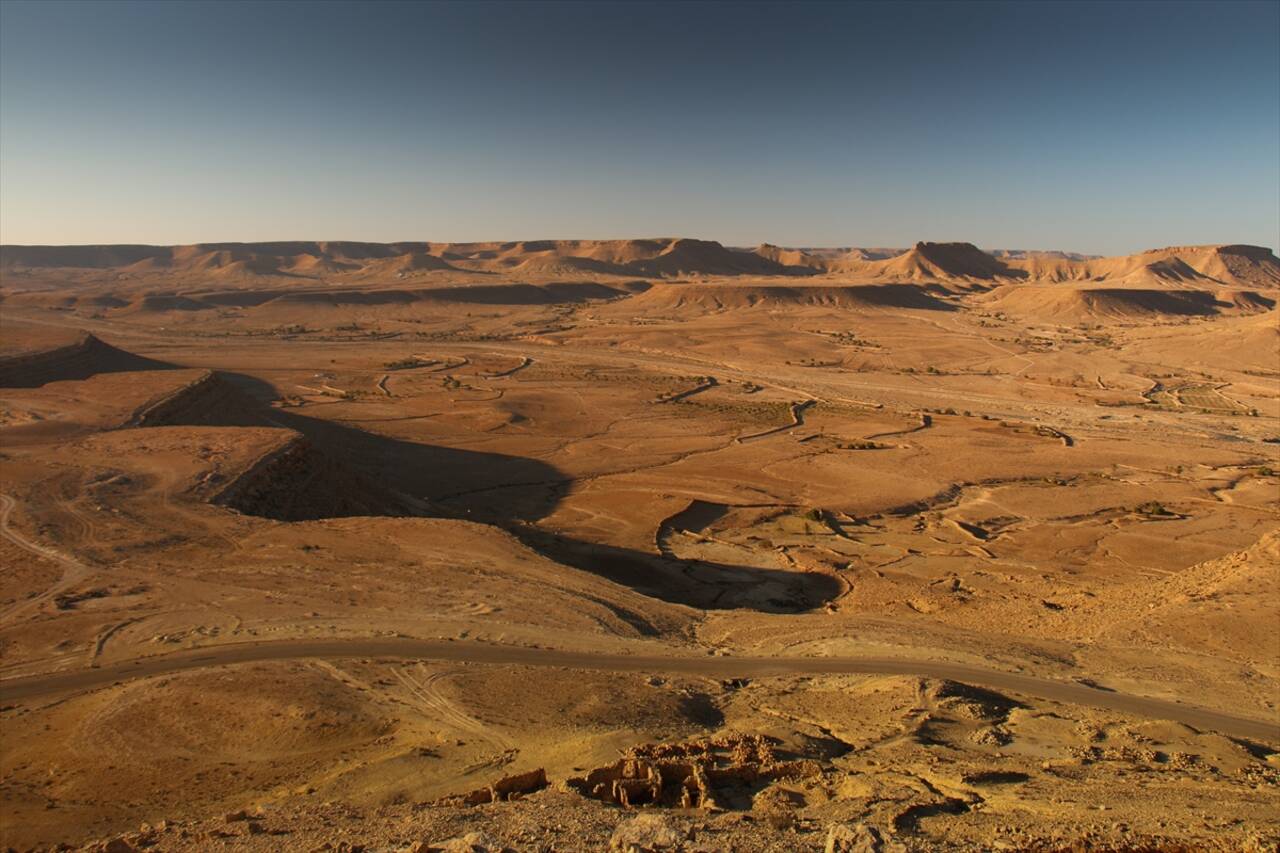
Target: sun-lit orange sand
pixel 651 544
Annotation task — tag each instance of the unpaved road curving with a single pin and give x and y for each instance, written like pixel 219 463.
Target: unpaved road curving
pixel 16 689
pixel 72 570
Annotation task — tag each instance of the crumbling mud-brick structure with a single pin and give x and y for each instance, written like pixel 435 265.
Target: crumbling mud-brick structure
pixel 690 775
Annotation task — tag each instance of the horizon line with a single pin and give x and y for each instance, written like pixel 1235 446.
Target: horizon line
pixel 727 245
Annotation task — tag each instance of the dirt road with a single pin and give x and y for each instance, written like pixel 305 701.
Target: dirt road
pixel 16 689
pixel 72 570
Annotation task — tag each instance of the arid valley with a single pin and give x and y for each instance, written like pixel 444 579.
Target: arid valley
pixel 342 546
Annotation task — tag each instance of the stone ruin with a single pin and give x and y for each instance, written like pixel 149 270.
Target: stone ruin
pixel 691 775
pixel 506 788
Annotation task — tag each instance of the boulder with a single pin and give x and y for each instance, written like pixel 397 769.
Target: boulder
pixel 859 838
pixel 647 833
pixel 118 845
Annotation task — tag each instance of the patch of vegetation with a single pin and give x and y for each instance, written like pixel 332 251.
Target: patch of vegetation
pixel 404 363
pixel 68 600
pixel 813 362
pixel 850 339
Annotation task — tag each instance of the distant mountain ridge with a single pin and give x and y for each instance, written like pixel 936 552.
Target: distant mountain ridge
pixel 954 263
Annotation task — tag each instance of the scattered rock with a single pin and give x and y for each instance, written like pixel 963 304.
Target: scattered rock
pixel 472 842
pixel 647 833
pixel 991 736
pixel 859 838
pixel 777 807
pixel 976 703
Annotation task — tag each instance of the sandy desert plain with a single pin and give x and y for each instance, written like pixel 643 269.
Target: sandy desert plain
pixel 655 544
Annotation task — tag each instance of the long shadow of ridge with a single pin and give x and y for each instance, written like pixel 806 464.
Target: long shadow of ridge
pixel 463 484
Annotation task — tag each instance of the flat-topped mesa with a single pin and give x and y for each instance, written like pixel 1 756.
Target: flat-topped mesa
pixel 1235 265
pixel 1258 253
pixel 938 262
pixel 794 259
pixel 684 256
pixel 962 260
pixel 1253 266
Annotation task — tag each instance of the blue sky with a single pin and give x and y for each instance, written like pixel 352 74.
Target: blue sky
pixel 1089 126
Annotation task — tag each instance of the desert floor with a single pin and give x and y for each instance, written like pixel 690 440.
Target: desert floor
pixel 972 572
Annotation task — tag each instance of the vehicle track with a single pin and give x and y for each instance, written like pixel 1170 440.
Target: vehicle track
pixel 73 571
pixel 426 688
pixel 460 651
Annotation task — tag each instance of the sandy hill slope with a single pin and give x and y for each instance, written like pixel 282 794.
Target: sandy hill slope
pixel 1210 601
pixel 1249 342
pixel 1075 303
pixel 702 298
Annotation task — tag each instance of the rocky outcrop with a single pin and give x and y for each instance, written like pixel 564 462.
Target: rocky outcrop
pixel 472 842
pixel 647 833
pixel 859 838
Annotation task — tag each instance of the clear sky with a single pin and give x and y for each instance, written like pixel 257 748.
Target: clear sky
pixel 1085 126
